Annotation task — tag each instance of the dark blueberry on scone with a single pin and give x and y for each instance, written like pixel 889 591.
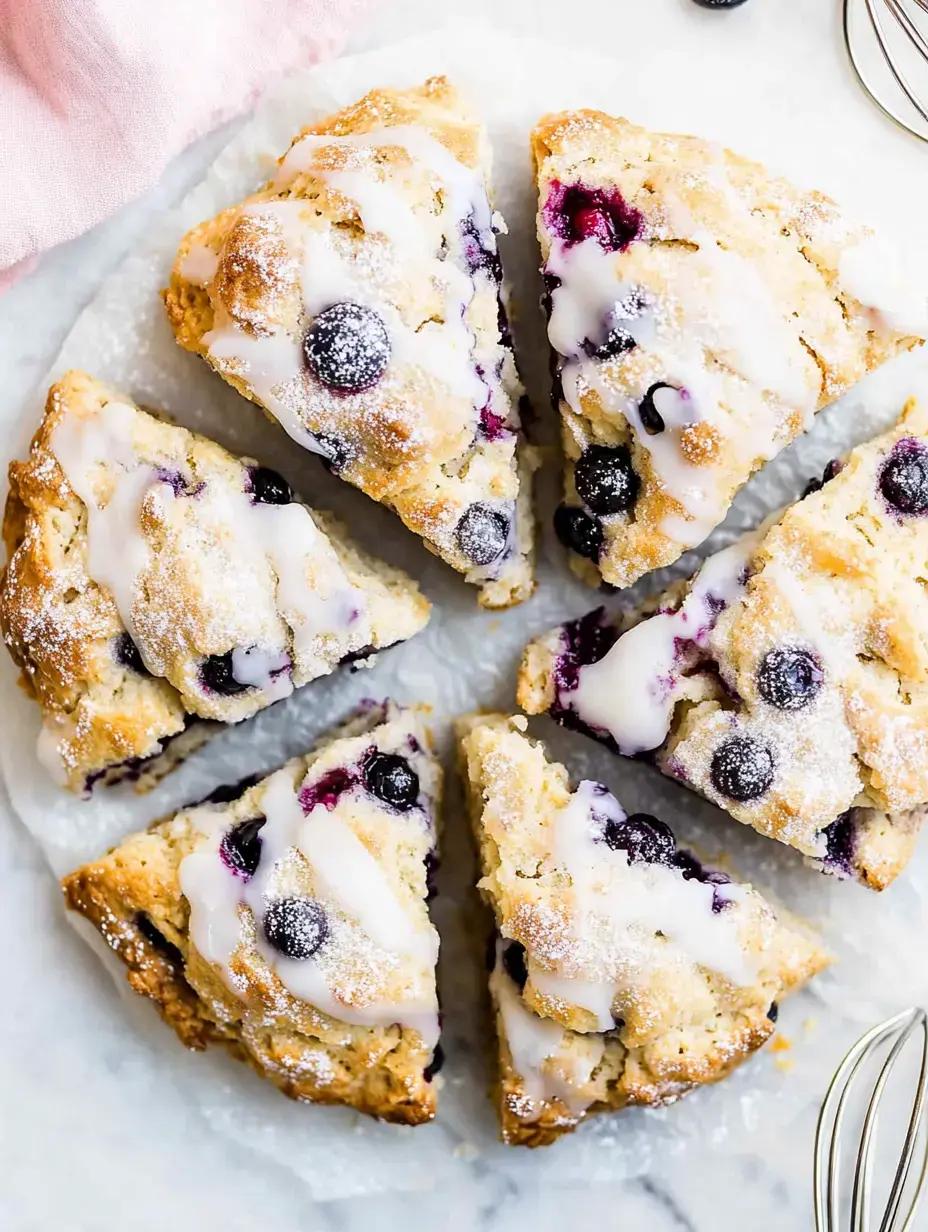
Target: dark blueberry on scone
pixel 296 927
pixel 127 654
pixel 674 243
pixel 579 531
pixel 785 679
pixel 328 789
pixel 621 974
pixel 268 487
pixel 299 939
pixel 218 676
pixel 220 605
pixel 358 299
pixel 789 677
pixel 241 846
pixel 605 479
pixel 482 534
pixel 391 779
pixel 347 348
pixel 904 477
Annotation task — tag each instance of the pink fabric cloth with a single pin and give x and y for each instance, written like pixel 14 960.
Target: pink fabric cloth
pixel 97 95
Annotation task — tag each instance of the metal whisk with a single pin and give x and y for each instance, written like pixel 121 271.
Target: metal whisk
pixel 883 1046
pixel 904 48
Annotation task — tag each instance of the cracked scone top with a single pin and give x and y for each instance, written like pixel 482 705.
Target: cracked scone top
pixel 700 313
pixel 788 680
pixel 357 298
pixel 625 972
pixel 153 577
pixel 287 919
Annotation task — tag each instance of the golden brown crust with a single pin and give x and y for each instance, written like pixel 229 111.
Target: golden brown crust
pixel 712 226
pixel 132 896
pixel 413 441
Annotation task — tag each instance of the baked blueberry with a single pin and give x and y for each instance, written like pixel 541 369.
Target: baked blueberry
pixel 267 487
pixel 644 838
pixel 328 789
pixel 605 479
pixel 391 779
pixel 840 843
pixel 719 4
pixel 156 938
pixel 436 1063
pixel 742 769
pixel 477 255
pixel 579 531
pixel 128 655
pixel 576 213
pixel 296 927
pixel 240 848
pixel 774 1012
pixel 227 792
pixel 216 676
pixel 651 419
pixel 347 347
pixel 789 677
pixel 834 467
pixel 617 342
pixel 514 963
pixel 904 477
pixel 482 534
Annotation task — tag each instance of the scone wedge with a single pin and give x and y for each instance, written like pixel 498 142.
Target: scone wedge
pixel 700 312
pixel 357 298
pixel 286 919
pixel 787 681
pixel 155 580
pixel 626 973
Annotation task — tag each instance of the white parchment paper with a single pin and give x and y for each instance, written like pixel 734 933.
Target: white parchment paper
pixel 467 658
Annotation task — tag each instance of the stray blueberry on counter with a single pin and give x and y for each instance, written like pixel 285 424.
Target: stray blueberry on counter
pixel 296 927
pixel 391 779
pixel 605 479
pixel 579 531
pixel 267 487
pixel 347 348
pixel 482 534
pixel 742 769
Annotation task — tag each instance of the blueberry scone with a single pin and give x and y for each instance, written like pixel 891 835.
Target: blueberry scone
pixel 788 680
pixel 625 972
pixel 287 919
pixel 700 313
pixel 155 580
pixel 357 298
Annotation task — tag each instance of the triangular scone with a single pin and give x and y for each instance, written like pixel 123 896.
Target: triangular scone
pixel 701 313
pixel 626 972
pixel 788 680
pixel 154 579
pixel 287 919
pixel 357 298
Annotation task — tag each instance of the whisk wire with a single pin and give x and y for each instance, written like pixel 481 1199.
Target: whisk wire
pixel 902 17
pixel 834 1119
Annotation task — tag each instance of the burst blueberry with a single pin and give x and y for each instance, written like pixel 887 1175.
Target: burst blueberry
pixel 904 477
pixel 296 927
pixel 576 213
pixel 128 655
pixel 742 769
pixel 216 676
pixel 579 531
pixel 644 838
pixel 789 677
pixel 651 419
pixel 514 963
pixel 605 479
pixel 391 779
pixel 347 348
pixel 240 848
pixel 482 534
pixel 267 487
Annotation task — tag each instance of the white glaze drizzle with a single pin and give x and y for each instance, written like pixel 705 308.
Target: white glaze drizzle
pixel 631 692
pixel 535 1042
pixel 619 909
pixel 313 594
pixel 347 881
pixel 199 265
pixel 872 273
pixel 330 273
pixel 726 308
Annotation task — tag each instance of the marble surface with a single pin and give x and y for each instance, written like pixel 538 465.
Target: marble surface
pixel 75 1158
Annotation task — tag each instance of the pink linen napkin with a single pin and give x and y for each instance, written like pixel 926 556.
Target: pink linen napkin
pixel 97 95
